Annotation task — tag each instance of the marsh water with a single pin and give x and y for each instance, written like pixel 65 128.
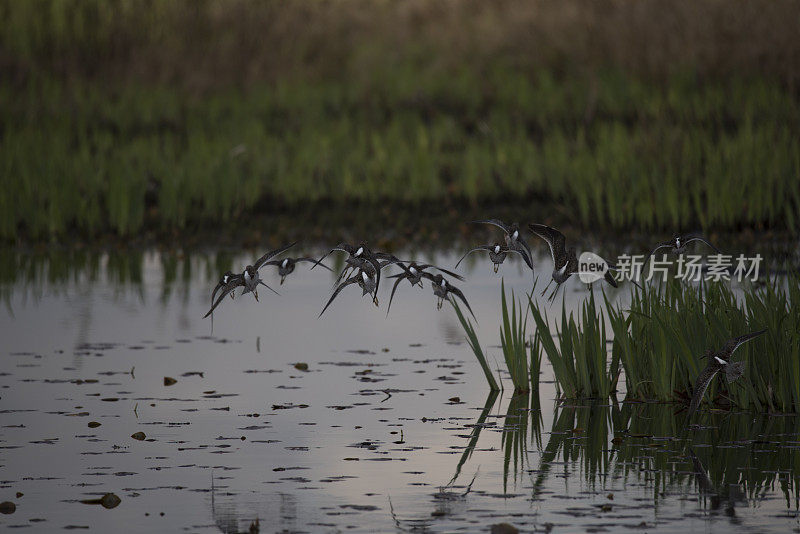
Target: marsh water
pixel 386 425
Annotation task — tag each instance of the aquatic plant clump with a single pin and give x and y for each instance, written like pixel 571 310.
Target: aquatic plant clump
pixel 580 360
pixel 512 340
pixel 661 338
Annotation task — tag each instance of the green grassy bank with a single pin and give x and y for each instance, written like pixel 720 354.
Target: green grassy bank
pixel 111 122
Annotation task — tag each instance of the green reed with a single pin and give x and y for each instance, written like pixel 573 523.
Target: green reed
pixel 513 340
pixel 475 345
pixel 580 359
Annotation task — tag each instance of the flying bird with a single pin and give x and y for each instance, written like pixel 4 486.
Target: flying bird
pixel 357 256
pixel 442 289
pixel 227 277
pixel 565 261
pixel 249 279
pixel 366 280
pixel 678 245
pixel 497 253
pixel 413 273
pixel 719 361
pixel 514 239
pixel 286 266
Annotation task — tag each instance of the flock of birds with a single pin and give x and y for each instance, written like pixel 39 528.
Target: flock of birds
pixel 363 268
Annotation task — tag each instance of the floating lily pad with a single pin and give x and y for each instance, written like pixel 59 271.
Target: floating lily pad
pixel 168 381
pixel 7 507
pixel 138 436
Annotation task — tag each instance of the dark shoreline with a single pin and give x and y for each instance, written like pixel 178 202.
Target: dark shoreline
pixel 394 226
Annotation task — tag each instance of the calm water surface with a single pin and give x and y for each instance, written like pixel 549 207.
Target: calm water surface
pixel 390 428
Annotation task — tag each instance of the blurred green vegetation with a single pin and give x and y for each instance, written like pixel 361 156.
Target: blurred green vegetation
pixel 125 115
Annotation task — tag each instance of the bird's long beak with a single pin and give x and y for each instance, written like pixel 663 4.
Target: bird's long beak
pixel 496 267
pixel 255 293
pixel 375 300
pixel 282 279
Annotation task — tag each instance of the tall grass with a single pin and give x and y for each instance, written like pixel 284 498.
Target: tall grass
pixel 152 157
pixel 411 102
pixel 580 359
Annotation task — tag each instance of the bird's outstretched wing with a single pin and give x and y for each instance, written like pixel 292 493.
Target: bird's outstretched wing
pixel 344 247
pixel 457 292
pixel 527 252
pixel 467 253
pixel 312 260
pixel 220 285
pixel 689 239
pixel 429 276
pixel 352 280
pixel 232 284
pixel 554 239
pixel 663 244
pixel 445 271
pixel 400 277
pixel 271 254
pixel 497 222
pixel 261 282
pixel 388 259
pixel 739 341
pixel 701 385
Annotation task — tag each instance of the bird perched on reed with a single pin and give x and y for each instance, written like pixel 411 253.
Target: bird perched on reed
pixel 716 362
